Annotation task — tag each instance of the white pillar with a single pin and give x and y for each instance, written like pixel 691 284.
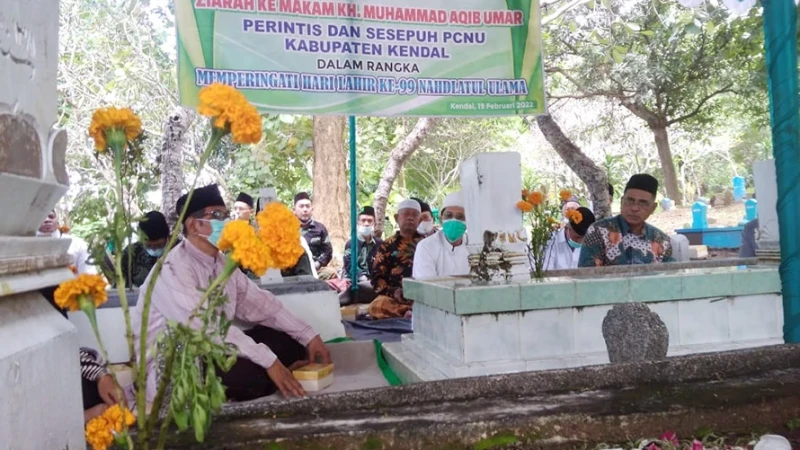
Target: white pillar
pixel 491 184
pixel 40 382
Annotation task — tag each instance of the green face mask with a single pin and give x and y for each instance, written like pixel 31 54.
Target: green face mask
pixel 572 244
pixel 454 229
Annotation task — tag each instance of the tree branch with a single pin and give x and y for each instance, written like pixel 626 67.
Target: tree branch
pixel 399 155
pixel 699 106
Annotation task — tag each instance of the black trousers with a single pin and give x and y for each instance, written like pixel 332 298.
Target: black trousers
pixel 91 396
pixel 247 380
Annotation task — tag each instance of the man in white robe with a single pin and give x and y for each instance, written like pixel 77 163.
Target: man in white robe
pixel 78 248
pixel 564 249
pixel 444 253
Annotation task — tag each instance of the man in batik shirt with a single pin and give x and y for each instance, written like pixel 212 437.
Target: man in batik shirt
pixel 627 238
pixel 395 261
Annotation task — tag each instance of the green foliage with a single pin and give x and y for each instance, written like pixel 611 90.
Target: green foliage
pixel 497 441
pixel 197 390
pixel 669 59
pixel 111 55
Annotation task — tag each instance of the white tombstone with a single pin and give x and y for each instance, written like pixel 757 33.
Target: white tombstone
pixel 40 381
pixel 491 184
pixel 766 182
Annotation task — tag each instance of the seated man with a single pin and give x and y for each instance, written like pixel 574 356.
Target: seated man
pixel 569 205
pixel 316 235
pixel 445 253
pixel 367 246
pixel 564 249
pixel 394 261
pixel 426 224
pixel 140 257
pixel 280 339
pixel 627 238
pixel 78 249
pixel 243 207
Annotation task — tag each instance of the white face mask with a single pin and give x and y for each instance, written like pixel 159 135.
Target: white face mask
pixel 425 227
pixel 365 232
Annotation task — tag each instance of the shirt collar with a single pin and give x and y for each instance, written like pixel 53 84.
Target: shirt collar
pixel 197 254
pixel 624 228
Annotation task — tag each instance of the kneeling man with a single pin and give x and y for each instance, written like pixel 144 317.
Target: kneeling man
pixel 279 342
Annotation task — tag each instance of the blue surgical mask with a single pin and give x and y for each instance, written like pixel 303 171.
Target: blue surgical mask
pixel 216 230
pixel 155 252
pixel 364 233
pixel 572 244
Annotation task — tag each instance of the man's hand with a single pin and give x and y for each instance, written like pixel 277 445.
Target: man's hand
pixel 94 411
pixel 318 352
pixel 285 381
pixel 398 295
pixel 108 390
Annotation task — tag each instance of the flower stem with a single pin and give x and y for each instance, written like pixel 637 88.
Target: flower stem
pixel 141 372
pixel 162 386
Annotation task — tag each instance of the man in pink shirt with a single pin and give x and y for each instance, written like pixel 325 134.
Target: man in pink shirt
pixel 279 342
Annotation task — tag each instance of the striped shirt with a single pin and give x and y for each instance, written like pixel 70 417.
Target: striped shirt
pixel 92 366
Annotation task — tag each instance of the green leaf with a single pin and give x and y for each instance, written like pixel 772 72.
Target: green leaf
pixel 621 50
pixel 692 29
pixel 199 419
pixel 618 57
pixel 647 33
pixel 181 419
pixel 573 27
pixel 632 26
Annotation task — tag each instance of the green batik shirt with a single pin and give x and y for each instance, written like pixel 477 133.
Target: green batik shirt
pixel 610 242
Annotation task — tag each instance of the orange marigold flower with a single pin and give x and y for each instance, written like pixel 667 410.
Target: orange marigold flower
pixel 279 230
pixel 69 294
pixel 536 198
pixel 114 126
pixel 524 206
pixel 116 415
pixel 248 250
pixel 100 430
pixel 64 229
pixel 574 216
pixel 98 433
pixel 73 268
pixel 565 195
pixel 229 110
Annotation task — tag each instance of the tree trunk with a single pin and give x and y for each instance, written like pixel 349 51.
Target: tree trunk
pixel 330 190
pixel 667 164
pixel 175 143
pixel 399 155
pixel 593 176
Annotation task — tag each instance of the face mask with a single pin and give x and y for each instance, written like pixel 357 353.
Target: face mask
pixel 154 252
pixel 454 229
pixel 572 244
pixel 364 232
pixel 425 227
pixel 216 230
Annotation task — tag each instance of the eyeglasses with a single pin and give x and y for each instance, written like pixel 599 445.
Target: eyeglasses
pixel 215 215
pixel 447 215
pixel 641 203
